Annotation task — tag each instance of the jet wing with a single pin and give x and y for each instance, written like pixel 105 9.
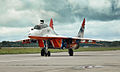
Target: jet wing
pixel 82 40
pixel 58 42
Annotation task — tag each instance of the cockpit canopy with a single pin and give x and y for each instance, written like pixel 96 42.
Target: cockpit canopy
pixel 38 27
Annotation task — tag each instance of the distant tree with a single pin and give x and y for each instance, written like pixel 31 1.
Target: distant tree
pixel 4 43
pixel 0 45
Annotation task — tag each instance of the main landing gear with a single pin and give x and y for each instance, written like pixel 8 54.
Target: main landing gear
pixel 70 51
pixel 45 52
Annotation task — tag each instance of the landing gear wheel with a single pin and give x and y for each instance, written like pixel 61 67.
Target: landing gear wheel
pixel 70 51
pixel 42 52
pixel 48 53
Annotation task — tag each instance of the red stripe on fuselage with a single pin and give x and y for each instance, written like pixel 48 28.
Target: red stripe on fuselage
pixel 40 42
pixel 56 43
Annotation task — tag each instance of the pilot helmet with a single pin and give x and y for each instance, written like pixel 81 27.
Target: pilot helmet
pixel 41 21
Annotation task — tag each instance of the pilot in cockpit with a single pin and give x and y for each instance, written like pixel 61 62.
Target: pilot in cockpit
pixel 41 25
pixel 41 21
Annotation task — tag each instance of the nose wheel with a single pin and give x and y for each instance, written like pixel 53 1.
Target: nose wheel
pixel 49 54
pixel 44 51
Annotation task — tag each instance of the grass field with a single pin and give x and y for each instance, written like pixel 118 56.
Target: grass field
pixel 37 50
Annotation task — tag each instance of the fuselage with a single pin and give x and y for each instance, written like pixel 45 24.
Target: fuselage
pixel 44 33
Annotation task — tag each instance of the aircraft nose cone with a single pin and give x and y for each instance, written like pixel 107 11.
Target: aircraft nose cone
pixel 29 34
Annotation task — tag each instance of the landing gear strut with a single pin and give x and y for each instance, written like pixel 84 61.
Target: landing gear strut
pixel 44 51
pixel 70 51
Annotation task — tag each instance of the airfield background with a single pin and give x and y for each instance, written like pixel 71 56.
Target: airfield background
pixel 35 44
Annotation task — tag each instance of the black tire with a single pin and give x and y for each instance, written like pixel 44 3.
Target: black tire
pixel 42 52
pixel 70 52
pixel 49 54
pixel 46 54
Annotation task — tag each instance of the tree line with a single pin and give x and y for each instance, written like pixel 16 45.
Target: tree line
pixel 35 44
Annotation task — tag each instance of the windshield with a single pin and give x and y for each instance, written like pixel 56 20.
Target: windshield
pixel 40 26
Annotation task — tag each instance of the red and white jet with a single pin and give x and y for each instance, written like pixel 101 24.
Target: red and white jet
pixel 48 38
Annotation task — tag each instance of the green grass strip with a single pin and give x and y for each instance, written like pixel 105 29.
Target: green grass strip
pixel 38 50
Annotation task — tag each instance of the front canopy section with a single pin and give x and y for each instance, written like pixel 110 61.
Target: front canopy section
pixel 41 26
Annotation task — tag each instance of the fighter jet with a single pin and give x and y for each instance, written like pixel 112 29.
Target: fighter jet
pixel 47 38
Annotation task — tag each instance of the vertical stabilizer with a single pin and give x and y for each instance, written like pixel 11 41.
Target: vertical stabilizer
pixel 81 31
pixel 51 24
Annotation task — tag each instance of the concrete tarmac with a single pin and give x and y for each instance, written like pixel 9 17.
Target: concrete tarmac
pixel 90 61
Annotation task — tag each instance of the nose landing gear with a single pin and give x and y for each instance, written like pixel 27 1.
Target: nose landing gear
pixel 44 51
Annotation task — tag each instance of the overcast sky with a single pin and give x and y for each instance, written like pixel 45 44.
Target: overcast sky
pixel 102 17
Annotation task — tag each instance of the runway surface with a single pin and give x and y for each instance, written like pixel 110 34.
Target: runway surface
pixel 92 61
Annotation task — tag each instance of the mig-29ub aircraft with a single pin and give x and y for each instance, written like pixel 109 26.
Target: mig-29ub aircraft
pixel 48 38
